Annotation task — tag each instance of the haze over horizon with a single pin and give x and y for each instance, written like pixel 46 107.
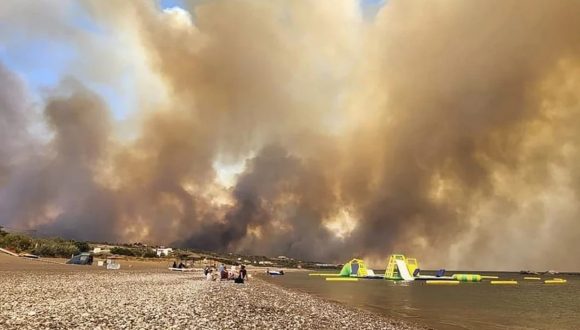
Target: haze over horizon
pixel 322 130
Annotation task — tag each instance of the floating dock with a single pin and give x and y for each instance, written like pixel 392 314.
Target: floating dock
pixel 442 282
pixel 504 282
pixel 555 281
pixel 342 279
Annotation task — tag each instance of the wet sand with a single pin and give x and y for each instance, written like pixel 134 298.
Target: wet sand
pixel 145 295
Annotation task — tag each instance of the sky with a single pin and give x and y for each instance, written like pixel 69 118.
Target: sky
pixel 21 55
pixel 322 130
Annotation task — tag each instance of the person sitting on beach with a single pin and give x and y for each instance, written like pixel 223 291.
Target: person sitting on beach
pixel 181 265
pixel 224 274
pixel 243 275
pixel 174 265
pixel 209 275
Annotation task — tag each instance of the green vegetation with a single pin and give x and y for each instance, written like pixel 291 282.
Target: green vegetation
pixel 55 247
pixel 82 246
pixel 44 247
pixel 16 242
pixel 58 247
pixel 134 252
pixel 149 254
pixel 122 251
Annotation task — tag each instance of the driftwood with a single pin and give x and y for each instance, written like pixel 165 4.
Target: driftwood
pixel 9 252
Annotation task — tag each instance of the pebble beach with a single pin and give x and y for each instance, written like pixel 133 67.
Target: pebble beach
pixel 36 295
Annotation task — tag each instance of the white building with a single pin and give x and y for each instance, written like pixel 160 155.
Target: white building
pixel 101 249
pixel 163 251
pixel 265 263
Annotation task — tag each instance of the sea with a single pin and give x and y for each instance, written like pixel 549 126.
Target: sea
pixel 529 305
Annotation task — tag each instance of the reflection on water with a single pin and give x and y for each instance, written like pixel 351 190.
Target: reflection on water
pixel 529 305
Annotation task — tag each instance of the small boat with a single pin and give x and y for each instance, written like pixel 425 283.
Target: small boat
pixel 275 272
pixel 28 255
pixel 181 269
pixel 529 272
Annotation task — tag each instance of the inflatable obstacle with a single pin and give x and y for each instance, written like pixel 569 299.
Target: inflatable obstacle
pixel 467 277
pixel 371 275
pixel 354 268
pixel 404 270
pixel 532 278
pixel 412 266
pixel 400 268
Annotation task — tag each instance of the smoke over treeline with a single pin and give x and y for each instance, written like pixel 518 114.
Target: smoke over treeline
pixel 447 130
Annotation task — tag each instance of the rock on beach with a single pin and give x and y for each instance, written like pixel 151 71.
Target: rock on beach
pixel 164 300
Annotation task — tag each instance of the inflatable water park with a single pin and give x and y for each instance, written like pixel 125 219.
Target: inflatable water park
pixel 401 268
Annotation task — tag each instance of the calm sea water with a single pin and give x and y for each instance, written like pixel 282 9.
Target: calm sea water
pixel 529 305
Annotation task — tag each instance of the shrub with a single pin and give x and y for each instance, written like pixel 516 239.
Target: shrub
pixel 55 248
pixel 44 247
pixel 82 246
pixel 122 251
pixel 16 242
pixel 149 254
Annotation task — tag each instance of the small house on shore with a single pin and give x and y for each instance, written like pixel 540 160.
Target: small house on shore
pixel 101 249
pixel 163 251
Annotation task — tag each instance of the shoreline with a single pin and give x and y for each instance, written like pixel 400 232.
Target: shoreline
pixel 48 296
pixel 394 322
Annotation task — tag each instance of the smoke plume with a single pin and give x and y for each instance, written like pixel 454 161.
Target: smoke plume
pixel 443 130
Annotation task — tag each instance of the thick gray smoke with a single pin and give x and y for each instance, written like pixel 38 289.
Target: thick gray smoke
pixel 12 121
pixel 443 130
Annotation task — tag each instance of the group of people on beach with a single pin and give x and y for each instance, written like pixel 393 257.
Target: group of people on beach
pixel 180 266
pixel 221 272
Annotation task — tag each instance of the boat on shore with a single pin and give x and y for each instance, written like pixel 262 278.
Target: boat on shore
pixel 275 272
pixel 174 269
pixel 528 272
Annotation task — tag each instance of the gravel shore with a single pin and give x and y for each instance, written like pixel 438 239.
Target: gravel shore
pixel 164 300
